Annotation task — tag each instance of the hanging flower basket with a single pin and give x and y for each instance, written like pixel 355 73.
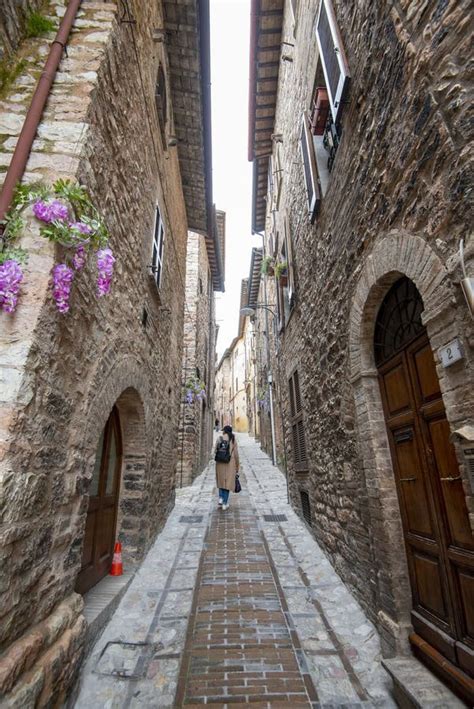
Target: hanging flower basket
pixel 281 272
pixel 69 219
pixel 267 267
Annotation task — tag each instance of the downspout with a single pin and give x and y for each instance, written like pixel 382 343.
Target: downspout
pixel 33 117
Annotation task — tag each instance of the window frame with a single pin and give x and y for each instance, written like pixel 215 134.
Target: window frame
pixel 157 248
pixel 309 165
pixel 337 95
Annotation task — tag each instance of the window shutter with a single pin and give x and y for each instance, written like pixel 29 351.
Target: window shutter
pixel 289 258
pixel 310 170
pixel 278 174
pixel 333 58
pixel 296 380
pixel 297 425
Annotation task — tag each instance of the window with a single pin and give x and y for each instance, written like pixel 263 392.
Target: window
pixel 158 244
pixel 310 170
pixel 297 426
pixel 332 57
pixel 161 102
pixel 321 130
pixel 306 506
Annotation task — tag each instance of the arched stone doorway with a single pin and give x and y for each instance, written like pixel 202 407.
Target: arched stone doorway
pixel 437 534
pixel 395 256
pixel 104 488
pixel 117 504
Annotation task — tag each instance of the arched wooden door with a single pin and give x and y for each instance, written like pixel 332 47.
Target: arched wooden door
pixel 438 539
pixel 99 536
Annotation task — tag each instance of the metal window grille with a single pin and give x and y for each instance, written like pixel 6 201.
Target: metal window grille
pixel 306 506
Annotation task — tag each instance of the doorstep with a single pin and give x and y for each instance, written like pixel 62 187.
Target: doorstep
pixel 415 687
pixel 100 603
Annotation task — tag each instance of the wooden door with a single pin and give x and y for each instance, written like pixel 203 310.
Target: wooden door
pixel 99 536
pixel 438 538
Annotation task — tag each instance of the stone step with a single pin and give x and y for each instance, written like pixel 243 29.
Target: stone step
pixel 415 687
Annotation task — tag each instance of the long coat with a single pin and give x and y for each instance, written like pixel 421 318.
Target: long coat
pixel 225 472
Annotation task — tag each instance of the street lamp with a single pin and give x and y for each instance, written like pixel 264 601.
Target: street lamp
pixel 249 312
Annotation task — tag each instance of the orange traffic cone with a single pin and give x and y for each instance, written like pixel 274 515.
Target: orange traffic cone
pixel 117 568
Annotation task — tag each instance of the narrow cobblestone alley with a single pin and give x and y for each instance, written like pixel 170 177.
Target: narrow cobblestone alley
pixel 234 608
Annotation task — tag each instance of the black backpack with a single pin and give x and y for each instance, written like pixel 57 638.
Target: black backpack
pixel 223 453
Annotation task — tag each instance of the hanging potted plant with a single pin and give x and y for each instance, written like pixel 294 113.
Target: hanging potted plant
pixel 281 272
pixel 268 266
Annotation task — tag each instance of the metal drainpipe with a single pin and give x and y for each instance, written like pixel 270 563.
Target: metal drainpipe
pixel 28 132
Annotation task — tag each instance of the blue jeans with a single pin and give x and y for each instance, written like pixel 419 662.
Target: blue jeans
pixel 225 495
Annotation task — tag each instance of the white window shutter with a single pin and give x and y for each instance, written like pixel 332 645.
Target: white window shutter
pixel 310 169
pixel 333 58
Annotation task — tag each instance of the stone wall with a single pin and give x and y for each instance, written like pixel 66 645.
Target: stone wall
pixel 61 374
pixel 397 202
pixel 197 418
pixel 13 14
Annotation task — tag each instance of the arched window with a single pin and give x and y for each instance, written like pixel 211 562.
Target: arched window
pixel 161 101
pixel 398 320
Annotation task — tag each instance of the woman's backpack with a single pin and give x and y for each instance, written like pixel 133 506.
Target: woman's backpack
pixel 223 452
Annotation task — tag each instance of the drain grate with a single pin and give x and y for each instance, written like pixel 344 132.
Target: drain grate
pixel 126 660
pixel 191 519
pixel 275 518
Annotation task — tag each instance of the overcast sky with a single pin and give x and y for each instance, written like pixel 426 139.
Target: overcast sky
pixel 232 176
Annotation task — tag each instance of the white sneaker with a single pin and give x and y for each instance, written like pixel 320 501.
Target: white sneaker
pixel 220 501
pixel 225 507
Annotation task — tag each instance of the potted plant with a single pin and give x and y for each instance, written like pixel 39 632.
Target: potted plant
pixel 281 272
pixel 268 266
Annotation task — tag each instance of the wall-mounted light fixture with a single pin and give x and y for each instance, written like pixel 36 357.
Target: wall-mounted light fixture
pixel 467 283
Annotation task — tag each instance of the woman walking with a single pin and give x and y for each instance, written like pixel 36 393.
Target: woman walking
pixel 227 465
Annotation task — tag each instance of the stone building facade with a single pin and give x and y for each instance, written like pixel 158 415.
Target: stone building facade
pixel 90 399
pixel 234 376
pixel 358 136
pixel 200 333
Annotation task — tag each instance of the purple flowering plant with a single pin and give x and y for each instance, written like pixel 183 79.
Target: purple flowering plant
pixel 194 390
pixel 69 219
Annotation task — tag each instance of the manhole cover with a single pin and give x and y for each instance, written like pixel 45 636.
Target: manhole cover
pixel 127 660
pixel 275 518
pixel 191 519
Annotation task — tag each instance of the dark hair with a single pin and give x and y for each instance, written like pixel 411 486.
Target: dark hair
pixel 228 430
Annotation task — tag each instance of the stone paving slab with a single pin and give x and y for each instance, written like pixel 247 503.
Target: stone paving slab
pixel 233 610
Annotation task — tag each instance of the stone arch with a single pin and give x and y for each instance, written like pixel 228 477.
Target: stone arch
pixel 398 254
pixel 122 381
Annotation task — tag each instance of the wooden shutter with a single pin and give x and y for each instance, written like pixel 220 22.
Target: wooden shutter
pixel 310 170
pixel 289 259
pixel 297 425
pixel 333 58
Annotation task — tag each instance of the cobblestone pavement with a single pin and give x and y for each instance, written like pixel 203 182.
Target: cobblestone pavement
pixel 236 608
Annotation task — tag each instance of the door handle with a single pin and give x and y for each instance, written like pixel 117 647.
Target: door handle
pixel 407 480
pixel 450 480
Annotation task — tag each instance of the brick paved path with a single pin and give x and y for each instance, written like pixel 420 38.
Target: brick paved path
pixel 240 648
pixel 236 609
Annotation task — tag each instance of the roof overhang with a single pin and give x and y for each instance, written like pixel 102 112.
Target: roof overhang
pixel 188 42
pixel 255 276
pixel 266 23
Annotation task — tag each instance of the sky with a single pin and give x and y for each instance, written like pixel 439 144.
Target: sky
pixel 232 173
